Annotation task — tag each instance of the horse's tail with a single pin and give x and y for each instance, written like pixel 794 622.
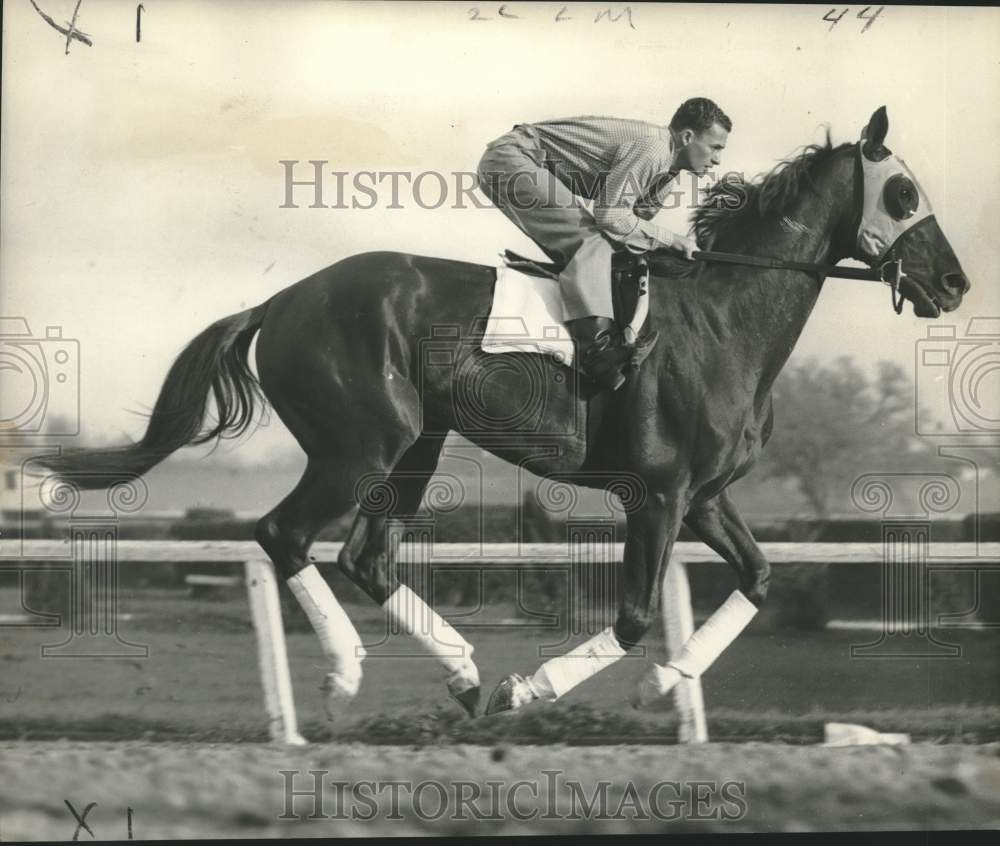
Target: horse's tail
pixel 216 360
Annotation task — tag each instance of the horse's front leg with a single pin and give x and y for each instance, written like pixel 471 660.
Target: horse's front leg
pixel 719 524
pixel 721 527
pixel 652 529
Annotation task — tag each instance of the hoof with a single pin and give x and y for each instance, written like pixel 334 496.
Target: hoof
pixel 337 693
pixel 468 699
pixel 654 685
pixel 463 687
pixel 513 692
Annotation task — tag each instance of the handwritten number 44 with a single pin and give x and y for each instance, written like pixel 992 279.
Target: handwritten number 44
pixel 862 15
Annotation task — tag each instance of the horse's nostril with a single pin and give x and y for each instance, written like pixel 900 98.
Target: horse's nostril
pixel 955 283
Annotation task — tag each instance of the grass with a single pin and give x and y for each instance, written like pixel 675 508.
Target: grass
pixel 200 682
pixel 574 725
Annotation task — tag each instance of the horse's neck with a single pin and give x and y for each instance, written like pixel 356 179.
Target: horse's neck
pixel 769 308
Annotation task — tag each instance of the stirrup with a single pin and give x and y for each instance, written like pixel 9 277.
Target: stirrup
pixel 610 375
pixel 642 348
pixel 611 359
pixel 632 357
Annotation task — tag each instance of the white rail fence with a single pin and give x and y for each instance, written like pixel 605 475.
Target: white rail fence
pixel 905 592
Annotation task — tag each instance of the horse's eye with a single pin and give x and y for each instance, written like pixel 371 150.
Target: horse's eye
pixel 901 198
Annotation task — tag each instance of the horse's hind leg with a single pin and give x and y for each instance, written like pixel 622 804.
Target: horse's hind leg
pixel 364 558
pixel 286 534
pixel 380 496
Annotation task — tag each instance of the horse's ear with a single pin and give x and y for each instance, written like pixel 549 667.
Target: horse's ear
pixel 873 135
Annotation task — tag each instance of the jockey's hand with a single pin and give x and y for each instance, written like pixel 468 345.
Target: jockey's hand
pixel 685 245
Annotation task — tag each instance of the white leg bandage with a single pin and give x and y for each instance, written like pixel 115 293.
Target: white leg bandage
pixel 337 635
pixel 715 634
pixel 701 649
pixel 436 635
pixel 558 676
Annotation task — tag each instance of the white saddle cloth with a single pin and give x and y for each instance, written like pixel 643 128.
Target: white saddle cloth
pixel 527 316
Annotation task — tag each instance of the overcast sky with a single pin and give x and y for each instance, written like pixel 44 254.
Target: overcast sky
pixel 141 184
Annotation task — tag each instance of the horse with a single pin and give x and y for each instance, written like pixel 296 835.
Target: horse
pixel 349 358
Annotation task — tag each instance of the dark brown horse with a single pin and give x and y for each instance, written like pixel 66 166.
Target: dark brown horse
pixel 373 360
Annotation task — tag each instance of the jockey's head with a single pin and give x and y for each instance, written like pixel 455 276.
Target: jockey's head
pixel 700 130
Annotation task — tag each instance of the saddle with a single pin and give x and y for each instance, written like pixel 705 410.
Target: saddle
pixel 629 294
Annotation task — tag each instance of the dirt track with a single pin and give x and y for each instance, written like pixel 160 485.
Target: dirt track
pixel 189 790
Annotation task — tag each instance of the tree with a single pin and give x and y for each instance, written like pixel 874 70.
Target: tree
pixel 833 423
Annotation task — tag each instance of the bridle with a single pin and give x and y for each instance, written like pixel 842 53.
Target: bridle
pixel 889 273
pixel 878 228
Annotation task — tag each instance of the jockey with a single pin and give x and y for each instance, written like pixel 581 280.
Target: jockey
pixel 538 174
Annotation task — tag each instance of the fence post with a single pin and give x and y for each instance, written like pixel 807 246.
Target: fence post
pixel 678 625
pixel 265 610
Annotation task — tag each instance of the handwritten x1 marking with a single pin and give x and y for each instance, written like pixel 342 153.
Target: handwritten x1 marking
pixel 81 821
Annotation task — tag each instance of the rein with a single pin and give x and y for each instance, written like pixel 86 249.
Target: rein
pixel 889 273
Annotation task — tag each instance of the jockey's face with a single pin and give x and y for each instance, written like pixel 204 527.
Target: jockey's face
pixel 700 151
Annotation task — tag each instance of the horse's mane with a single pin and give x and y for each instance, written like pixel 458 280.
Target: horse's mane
pixel 765 196
pixel 733 205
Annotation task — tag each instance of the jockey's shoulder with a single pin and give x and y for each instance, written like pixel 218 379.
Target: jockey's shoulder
pixel 623 127
pixel 656 150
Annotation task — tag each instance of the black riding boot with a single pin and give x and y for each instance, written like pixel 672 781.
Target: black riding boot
pixel 601 352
